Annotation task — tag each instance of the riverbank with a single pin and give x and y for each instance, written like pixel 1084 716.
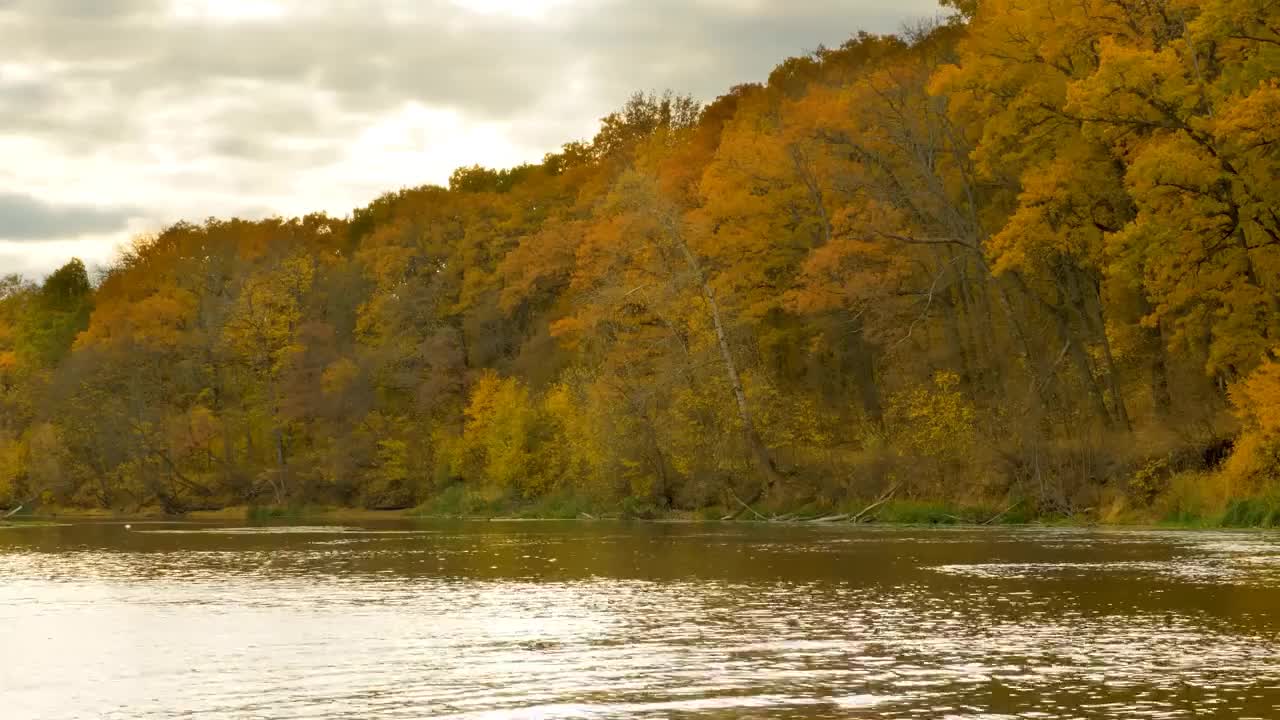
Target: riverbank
pixel 1238 513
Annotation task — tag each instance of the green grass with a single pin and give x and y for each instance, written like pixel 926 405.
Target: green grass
pixel 458 501
pixel 1263 512
pixel 1190 500
pixel 1187 518
pixel 711 514
pixel 917 512
pixel 455 501
pixel 1199 500
pixel 929 512
pixel 559 506
pixel 1256 512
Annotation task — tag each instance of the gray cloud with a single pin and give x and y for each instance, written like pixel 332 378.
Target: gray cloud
pixel 207 114
pixel 23 217
pixel 434 51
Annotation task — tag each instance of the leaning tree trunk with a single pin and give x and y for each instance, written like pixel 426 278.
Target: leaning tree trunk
pixel 760 455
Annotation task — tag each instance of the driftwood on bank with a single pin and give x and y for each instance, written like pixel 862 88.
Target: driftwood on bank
pixel 746 507
pixel 865 514
pixel 1002 513
pixel 884 498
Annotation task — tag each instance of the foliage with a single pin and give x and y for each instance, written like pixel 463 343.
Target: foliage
pixel 984 258
pixel 933 421
pixel 1255 463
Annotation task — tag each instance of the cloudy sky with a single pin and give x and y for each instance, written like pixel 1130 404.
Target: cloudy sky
pixel 118 117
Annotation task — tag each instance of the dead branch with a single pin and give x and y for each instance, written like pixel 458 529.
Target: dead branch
pixel 1002 513
pixel 884 498
pixel 745 507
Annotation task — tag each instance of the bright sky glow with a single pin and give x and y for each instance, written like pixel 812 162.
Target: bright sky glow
pixel 121 117
pixel 525 9
pixel 228 10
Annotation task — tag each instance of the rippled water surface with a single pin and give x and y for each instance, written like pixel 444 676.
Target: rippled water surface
pixel 500 620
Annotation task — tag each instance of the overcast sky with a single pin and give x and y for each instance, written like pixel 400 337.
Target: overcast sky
pixel 118 117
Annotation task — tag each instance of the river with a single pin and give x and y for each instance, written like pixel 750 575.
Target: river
pixel 515 620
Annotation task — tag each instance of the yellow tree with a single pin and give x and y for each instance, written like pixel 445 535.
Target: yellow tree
pixel 261 334
pixel 1014 80
pixel 908 215
pixel 1194 116
pixel 652 221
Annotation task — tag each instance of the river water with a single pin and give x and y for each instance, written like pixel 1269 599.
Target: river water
pixel 507 620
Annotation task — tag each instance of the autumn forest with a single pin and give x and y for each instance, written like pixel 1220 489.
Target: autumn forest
pixel 1023 258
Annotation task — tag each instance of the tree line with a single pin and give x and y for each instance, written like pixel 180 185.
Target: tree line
pixel 1028 252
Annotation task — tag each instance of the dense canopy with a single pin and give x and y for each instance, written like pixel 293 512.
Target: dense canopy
pixel 1028 254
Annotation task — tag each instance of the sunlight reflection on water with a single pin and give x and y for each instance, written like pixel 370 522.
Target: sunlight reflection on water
pixel 565 621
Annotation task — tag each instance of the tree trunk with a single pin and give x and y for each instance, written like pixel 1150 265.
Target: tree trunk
pixel 1161 400
pixel 283 466
pixel 865 371
pixel 760 455
pixel 1039 380
pixel 1095 318
pixel 951 326
pixel 1080 358
pixel 1113 383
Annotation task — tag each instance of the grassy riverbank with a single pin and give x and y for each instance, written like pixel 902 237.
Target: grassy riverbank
pixel 1187 503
